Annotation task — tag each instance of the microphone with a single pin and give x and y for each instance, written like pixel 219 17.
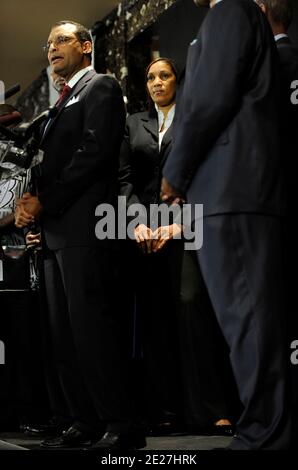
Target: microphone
pixel 12 91
pixel 9 115
pixel 7 133
pixel 35 124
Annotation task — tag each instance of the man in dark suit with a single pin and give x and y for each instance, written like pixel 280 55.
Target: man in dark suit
pixel 226 156
pixel 79 172
pixel 280 14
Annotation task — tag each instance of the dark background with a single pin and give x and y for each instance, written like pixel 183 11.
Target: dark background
pixel 171 36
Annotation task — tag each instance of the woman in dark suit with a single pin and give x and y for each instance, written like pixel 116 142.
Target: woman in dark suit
pixel 168 313
pixel 156 267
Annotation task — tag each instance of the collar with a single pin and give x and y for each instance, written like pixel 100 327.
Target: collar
pixel 74 80
pixel 277 37
pixel 161 117
pixel 216 1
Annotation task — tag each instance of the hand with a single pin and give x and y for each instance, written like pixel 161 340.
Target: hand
pixel 143 236
pixel 22 218
pixel 169 194
pixel 33 239
pixel 28 208
pixel 163 234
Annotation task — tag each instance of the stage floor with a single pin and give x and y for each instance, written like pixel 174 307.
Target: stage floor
pixel 172 442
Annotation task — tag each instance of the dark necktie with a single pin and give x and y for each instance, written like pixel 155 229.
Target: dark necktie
pixel 64 93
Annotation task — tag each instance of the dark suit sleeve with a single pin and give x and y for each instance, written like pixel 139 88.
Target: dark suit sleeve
pixel 126 170
pixel 217 67
pixel 126 186
pixel 103 121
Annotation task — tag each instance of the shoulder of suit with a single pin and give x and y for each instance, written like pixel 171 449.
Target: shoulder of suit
pixel 233 6
pixel 227 13
pixel 107 80
pixel 105 76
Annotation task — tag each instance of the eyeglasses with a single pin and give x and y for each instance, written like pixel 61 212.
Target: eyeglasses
pixel 58 41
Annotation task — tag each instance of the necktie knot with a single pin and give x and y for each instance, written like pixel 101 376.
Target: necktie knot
pixel 64 93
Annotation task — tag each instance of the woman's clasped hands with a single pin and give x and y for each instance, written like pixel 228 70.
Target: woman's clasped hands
pixel 152 242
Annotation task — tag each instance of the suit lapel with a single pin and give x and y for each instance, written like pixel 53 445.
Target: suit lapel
pixel 150 124
pixel 167 138
pixel 74 92
pixel 79 87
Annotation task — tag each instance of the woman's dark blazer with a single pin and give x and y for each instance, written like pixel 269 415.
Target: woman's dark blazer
pixel 141 162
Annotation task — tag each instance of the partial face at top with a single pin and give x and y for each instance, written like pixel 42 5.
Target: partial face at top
pixel 203 3
pixel 161 83
pixel 66 54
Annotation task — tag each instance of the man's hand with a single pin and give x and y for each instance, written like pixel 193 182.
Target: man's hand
pixel 163 234
pixel 22 218
pixel 170 194
pixel 28 208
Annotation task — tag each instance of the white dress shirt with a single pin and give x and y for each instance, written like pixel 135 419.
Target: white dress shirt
pixel 164 123
pixel 277 37
pixel 74 80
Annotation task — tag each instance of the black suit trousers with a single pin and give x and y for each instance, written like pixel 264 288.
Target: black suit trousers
pixel 86 333
pixel 241 265
pixel 156 282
